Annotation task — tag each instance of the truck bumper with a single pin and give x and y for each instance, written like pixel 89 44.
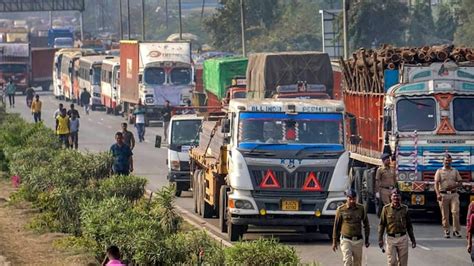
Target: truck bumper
pixel 153 113
pixel 426 201
pixel 283 220
pixel 179 176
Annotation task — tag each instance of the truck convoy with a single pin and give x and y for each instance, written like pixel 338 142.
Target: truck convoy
pixel 153 72
pixel 415 104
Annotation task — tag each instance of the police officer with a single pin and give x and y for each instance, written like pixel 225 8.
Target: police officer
pixel 385 180
pixel 347 230
pixel 447 180
pixel 395 220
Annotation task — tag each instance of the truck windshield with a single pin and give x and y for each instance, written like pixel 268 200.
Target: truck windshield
pixel 463 112
pixel 185 132
pixel 63 42
pixel 154 75
pixel 180 76
pixel 306 128
pixel 96 75
pixel 12 68
pixel 416 114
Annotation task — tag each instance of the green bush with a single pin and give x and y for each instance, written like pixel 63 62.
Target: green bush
pixel 261 252
pixel 129 187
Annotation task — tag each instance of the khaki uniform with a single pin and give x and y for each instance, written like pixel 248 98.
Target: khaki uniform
pixel 396 222
pixel 348 230
pixel 449 198
pixel 385 181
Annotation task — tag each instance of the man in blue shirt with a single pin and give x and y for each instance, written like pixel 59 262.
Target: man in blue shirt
pixel 122 154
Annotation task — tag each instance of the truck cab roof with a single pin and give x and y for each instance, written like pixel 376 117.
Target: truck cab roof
pixel 186 117
pixel 285 105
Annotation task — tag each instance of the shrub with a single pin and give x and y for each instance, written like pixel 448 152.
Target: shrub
pixel 164 208
pixel 261 252
pixel 129 187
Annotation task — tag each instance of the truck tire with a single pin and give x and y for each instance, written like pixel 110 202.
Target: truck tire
pixel 178 189
pixel 367 201
pixel 196 191
pixel 207 210
pixel 236 231
pixel 93 107
pixel 223 209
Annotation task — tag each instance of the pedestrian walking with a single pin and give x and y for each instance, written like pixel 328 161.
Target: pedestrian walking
pixel 128 137
pixel 347 231
pixel 36 109
pixel 385 182
pixel 396 221
pixel 470 230
pixel 63 127
pixel 166 113
pixel 139 114
pixel 447 180
pixel 112 257
pixel 72 111
pixel 11 90
pixel 30 94
pixel 74 135
pixel 122 155
pixel 58 111
pixel 85 100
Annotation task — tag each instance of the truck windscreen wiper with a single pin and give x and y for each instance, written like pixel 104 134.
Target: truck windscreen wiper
pixel 265 145
pixel 308 147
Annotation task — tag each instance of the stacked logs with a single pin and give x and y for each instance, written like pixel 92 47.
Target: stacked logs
pixel 364 72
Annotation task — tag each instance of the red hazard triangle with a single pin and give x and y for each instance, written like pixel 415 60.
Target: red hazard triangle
pixel 269 180
pixel 312 183
pixel 445 128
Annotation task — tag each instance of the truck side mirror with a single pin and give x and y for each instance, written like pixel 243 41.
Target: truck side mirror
pixel 140 78
pixel 352 123
pixel 158 141
pixel 355 139
pixel 225 126
pixel 91 72
pixel 387 123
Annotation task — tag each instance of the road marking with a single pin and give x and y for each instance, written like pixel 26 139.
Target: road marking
pixel 423 247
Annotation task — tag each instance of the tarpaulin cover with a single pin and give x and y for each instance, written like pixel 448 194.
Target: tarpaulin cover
pixel 266 71
pixel 218 73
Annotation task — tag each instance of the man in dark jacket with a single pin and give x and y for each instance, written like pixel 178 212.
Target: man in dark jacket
pixel 85 100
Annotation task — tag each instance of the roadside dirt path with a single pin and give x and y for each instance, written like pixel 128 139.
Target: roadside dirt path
pixel 20 245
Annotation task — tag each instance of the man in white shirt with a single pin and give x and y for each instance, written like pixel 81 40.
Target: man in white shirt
pixel 58 111
pixel 139 113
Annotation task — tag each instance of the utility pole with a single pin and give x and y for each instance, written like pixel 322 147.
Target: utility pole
pixel 128 18
pixel 51 19
pixel 166 13
pixel 121 23
pixel 143 20
pixel 242 25
pixel 180 21
pixel 81 17
pixel 344 22
pixel 202 8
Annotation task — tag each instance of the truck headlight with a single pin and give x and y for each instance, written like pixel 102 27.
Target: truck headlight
pixel 335 204
pixel 174 165
pixel 243 204
pixel 402 176
pixel 412 176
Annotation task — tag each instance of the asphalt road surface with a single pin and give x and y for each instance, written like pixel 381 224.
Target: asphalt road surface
pixel 97 134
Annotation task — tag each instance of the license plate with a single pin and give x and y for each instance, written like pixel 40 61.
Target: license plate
pixel 417 199
pixel 471 198
pixel 290 205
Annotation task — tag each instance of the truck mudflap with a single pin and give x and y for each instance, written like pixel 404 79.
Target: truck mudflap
pixel 282 219
pixel 179 176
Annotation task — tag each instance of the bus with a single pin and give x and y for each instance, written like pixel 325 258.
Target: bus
pixel 110 85
pixel 89 73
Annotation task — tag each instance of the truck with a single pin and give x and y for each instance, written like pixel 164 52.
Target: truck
pixel 184 134
pixel 153 72
pixel 415 105
pixel 110 85
pixel 271 162
pixel 14 64
pixel 270 75
pixel 42 60
pixel 60 38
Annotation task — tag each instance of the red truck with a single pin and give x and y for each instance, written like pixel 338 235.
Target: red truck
pixel 42 60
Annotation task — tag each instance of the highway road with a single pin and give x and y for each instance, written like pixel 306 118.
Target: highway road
pixel 97 134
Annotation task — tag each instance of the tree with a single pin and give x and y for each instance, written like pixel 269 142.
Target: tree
pixel 374 22
pixel 446 24
pixel 421 26
pixel 465 31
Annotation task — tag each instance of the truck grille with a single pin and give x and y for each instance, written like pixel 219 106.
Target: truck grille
pixel 291 181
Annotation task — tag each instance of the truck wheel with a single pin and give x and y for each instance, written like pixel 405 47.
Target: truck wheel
pixel 178 190
pixel 235 231
pixel 223 209
pixel 368 187
pixel 196 191
pixel 206 209
pixel 93 107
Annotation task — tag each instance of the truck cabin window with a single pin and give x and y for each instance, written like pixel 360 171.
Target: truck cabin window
pixel 180 76
pixel 185 132
pixel 279 128
pixel 155 76
pixel 239 95
pixel 12 68
pixel 463 114
pixel 416 114
pixel 96 70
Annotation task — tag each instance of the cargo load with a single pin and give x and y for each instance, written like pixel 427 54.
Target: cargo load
pixel 219 72
pixel 267 71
